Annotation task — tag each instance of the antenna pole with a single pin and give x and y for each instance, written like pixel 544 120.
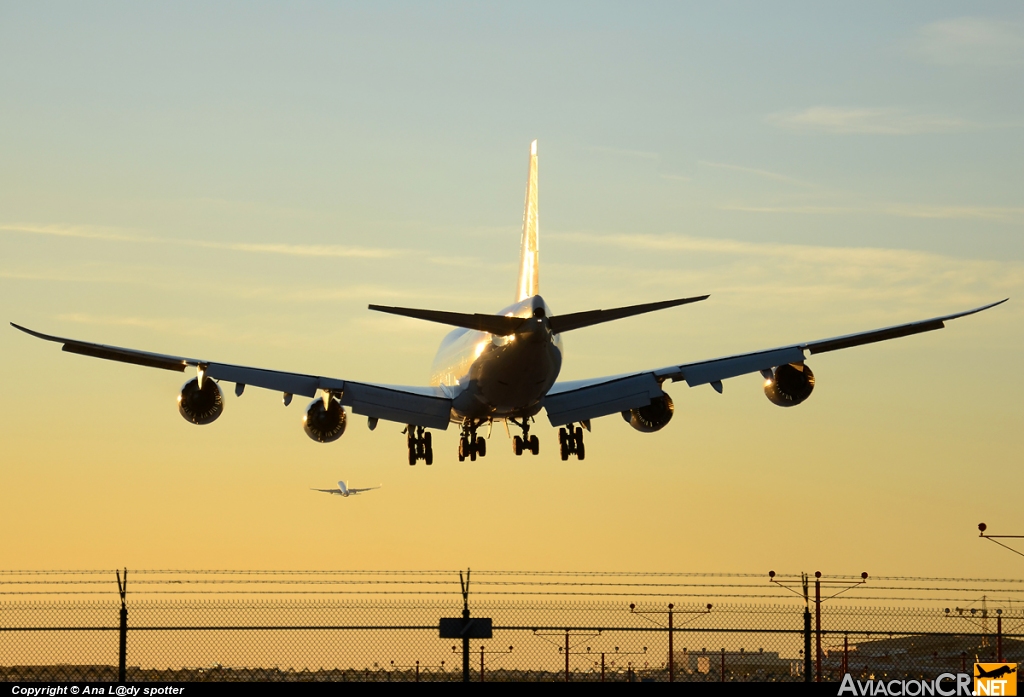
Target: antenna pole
pixel 465 624
pixel 122 650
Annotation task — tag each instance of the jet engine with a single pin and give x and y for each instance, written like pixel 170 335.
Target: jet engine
pixel 653 417
pixel 324 424
pixel 200 406
pixel 789 385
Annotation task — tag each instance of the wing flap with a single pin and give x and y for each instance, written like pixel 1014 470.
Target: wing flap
pixel 394 404
pixel 724 368
pixel 293 383
pixel 601 399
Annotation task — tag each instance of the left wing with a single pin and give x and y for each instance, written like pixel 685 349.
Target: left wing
pixel 419 406
pixel 580 400
pixel 359 491
pixel 328 491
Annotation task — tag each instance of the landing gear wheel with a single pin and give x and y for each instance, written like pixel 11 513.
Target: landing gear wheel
pixel 481 446
pixel 517 445
pixel 581 451
pixel 563 444
pixel 418 441
pixel 534 445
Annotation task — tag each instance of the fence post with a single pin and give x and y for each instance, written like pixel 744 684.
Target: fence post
pixel 846 653
pixel 723 666
pixel 122 650
pixel 671 656
pixel 807 644
pixel 817 625
pixel 999 636
pixel 567 655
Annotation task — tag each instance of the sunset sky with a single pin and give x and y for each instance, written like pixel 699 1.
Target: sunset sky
pixel 237 181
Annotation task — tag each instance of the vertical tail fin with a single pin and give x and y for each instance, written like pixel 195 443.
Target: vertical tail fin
pixel 529 256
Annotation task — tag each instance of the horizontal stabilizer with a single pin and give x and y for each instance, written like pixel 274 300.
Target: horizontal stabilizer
pixel 492 324
pixel 500 325
pixel 578 320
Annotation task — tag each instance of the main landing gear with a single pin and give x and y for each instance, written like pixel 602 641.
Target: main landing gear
pixel 570 440
pixel 470 444
pixel 527 442
pixel 418 440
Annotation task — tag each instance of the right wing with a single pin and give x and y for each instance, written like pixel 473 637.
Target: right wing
pixel 419 406
pixel 580 400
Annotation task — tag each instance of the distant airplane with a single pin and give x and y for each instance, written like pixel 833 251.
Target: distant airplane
pixel 343 490
pixel 995 672
pixel 503 367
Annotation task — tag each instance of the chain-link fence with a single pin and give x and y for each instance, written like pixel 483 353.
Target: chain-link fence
pixel 388 638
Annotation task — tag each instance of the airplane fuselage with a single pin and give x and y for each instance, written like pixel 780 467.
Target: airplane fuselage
pixel 494 377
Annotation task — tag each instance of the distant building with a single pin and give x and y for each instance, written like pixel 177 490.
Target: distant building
pixel 742 664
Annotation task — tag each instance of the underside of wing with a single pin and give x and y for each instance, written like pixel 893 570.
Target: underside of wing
pixel 419 406
pixel 359 491
pixel 328 491
pixel 787 380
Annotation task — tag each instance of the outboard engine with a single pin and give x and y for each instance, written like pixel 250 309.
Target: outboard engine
pixel 789 385
pixel 200 406
pixel 653 417
pixel 324 424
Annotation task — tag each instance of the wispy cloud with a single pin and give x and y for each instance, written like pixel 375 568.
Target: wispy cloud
pixel 623 152
pixel 114 235
pixel 763 274
pixel 763 173
pixel 970 41
pixel 994 213
pixel 859 120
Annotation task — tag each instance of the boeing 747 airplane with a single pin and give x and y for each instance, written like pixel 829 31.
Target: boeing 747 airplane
pixel 343 490
pixel 502 367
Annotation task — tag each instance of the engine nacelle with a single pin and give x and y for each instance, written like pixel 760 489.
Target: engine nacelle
pixel 653 417
pixel 324 424
pixel 789 385
pixel 200 406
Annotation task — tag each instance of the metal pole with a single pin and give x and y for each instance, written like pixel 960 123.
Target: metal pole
pixel 846 653
pixel 481 663
pixel 567 655
pixel 817 626
pixel 122 651
pixel 723 666
pixel 417 671
pixel 671 656
pixel 807 644
pixel 999 638
pixel 465 626
pixel 602 667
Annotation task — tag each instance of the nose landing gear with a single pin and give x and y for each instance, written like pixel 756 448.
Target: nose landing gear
pixel 570 440
pixel 419 442
pixel 470 444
